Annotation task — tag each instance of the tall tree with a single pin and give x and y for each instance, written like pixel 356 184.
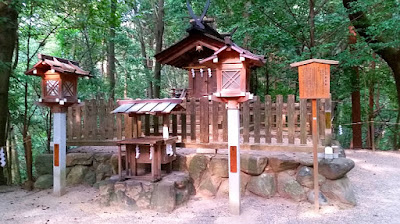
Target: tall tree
pixel 8 38
pixel 111 48
pixel 373 22
pixel 159 33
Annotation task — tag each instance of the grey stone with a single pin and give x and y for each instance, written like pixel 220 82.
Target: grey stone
pixel 219 166
pixel 114 163
pixel 244 180
pixel 79 159
pixel 77 174
pixel 335 168
pixel 197 165
pixel 282 162
pixel 163 197
pixel 305 177
pixel 223 190
pixel 44 182
pixel 209 185
pixel 44 164
pixel 102 157
pixel 321 197
pixel 90 178
pixel 288 187
pixel 133 189
pixel 340 190
pixel 263 185
pixel 253 164
pixel 103 171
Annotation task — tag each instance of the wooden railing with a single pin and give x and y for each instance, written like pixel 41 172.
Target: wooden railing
pixel 269 124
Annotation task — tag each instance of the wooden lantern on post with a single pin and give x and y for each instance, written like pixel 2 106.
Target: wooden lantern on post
pixel 59 81
pixel 314 83
pixel 233 64
pixel 59 91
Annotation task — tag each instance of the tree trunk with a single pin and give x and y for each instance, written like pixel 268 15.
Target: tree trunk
pixel 159 32
pixel 312 25
pixel 391 55
pixel 111 49
pixel 371 100
pixel 8 37
pixel 355 97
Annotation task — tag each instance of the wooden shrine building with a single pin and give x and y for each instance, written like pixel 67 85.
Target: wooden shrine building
pixel 202 42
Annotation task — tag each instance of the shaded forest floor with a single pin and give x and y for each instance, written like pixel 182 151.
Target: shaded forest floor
pixel 376 180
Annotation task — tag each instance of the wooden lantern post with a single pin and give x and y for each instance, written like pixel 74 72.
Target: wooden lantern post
pixel 314 83
pixel 232 65
pixel 59 91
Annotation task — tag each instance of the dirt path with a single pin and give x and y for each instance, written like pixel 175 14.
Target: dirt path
pixel 376 179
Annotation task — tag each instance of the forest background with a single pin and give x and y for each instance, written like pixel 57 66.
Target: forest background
pixel 116 40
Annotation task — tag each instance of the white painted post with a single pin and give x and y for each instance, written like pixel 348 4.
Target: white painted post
pixel 60 154
pixel 234 157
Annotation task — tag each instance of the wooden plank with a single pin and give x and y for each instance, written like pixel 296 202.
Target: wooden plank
pixel 128 126
pixel 246 122
pixel 174 119
pixel 78 122
pixel 224 122
pixel 303 120
pixel 257 119
pixel 156 123
pixel 183 128
pixel 268 118
pixel 214 121
pixel 86 119
pixel 147 125
pixel 291 119
pixel 322 122
pixel 204 120
pixel 192 120
pixel 279 123
pixel 95 124
pixel 134 120
pixel 118 119
pixel 70 120
pixel 111 119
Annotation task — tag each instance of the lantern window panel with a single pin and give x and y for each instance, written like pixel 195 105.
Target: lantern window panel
pixel 231 79
pixel 68 89
pixel 52 87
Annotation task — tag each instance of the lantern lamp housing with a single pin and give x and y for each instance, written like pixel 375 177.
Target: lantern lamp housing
pixel 59 80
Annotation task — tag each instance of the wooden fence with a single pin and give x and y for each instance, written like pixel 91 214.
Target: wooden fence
pixel 273 124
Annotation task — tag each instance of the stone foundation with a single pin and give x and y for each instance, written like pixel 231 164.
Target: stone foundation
pixel 265 174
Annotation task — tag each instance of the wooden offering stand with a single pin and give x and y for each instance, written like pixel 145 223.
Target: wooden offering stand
pixel 154 150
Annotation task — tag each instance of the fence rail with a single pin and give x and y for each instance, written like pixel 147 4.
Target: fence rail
pixel 204 123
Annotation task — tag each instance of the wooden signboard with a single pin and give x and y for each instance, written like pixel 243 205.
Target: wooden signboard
pixel 233 156
pixel 314 78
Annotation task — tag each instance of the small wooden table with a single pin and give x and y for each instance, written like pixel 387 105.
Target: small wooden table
pixel 152 150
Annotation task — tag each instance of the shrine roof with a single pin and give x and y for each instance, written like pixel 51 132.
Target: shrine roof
pixel 258 60
pixel 314 60
pixel 61 65
pixel 148 106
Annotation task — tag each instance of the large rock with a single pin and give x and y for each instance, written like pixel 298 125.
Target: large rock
pixel 244 180
pixel 114 163
pixel 219 166
pixel 253 164
pixel 321 197
pixel 305 177
pixel 102 157
pixel 44 164
pixel 163 198
pixel 89 178
pixel 262 185
pixel 223 190
pixel 196 166
pixel 44 182
pixel 179 164
pixel 209 185
pixel 79 159
pixel 103 171
pixel 288 187
pixel 340 190
pixel 335 168
pixel 282 162
pixel 77 174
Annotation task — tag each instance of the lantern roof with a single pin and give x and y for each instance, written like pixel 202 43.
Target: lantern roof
pixel 314 60
pixel 256 60
pixel 61 65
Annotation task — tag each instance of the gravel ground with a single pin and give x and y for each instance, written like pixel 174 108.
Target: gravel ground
pixel 376 180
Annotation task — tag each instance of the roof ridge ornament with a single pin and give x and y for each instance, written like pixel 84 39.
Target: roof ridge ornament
pixel 198 20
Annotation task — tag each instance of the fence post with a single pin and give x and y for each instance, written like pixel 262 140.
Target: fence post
pixel 193 120
pixel 279 123
pixel 204 120
pixel 291 119
pixel 303 121
pixel 268 118
pixel 246 122
pixel 257 119
pixel 215 116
